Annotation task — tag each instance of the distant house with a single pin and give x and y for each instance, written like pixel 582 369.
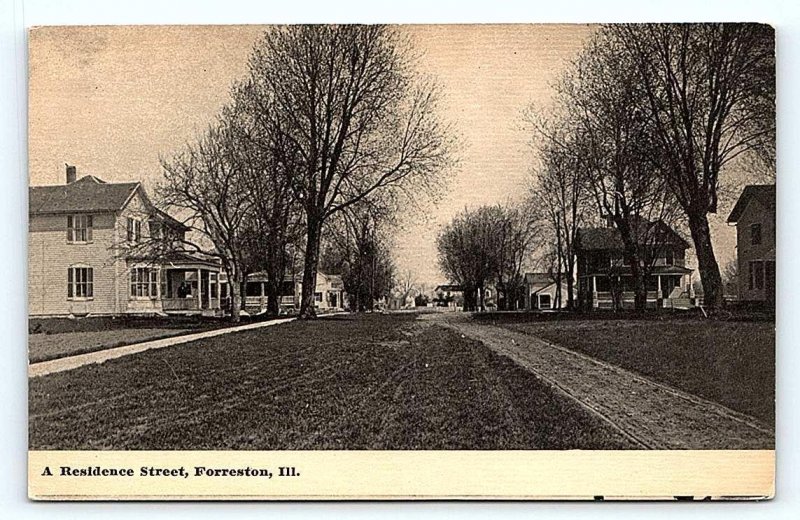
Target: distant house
pixel 83 257
pixel 605 281
pixel 540 292
pixel 449 295
pixel 755 219
pixel 329 293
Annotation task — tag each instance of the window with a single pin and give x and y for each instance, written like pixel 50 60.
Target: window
pixel 669 256
pixel 79 228
pixel 144 282
pixel 756 275
pixel 253 289
pixel 755 234
pixel 544 301
pixel 212 285
pixel 80 282
pixel 134 230
pixel 154 227
pixel 318 296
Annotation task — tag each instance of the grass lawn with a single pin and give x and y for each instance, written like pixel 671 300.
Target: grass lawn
pixel 350 382
pixel 44 347
pixel 95 324
pixel 729 362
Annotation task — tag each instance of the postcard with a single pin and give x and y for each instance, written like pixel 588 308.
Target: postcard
pixel 402 262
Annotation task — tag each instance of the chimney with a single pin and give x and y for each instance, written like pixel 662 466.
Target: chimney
pixel 72 174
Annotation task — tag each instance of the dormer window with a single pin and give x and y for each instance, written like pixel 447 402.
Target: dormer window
pixel 134 230
pixel 79 228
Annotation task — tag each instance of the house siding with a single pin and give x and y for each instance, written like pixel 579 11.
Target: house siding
pixel 50 255
pixel 136 208
pixel 754 213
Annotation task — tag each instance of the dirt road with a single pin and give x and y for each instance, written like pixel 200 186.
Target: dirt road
pixel 651 414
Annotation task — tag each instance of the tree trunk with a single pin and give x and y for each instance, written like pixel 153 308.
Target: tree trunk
pixel 274 283
pixel 637 274
pixel 639 288
pixel 236 296
pixel 706 261
pixel 469 299
pixel 570 290
pixel 273 297
pixel 313 235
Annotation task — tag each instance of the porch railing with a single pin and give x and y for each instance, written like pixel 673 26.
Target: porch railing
pixel 180 304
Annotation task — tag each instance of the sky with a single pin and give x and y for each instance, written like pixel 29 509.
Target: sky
pixel 112 99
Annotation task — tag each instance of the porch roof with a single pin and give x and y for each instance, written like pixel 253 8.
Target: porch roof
pixel 180 260
pixel 674 270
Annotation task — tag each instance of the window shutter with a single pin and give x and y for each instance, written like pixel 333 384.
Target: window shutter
pixel 88 228
pixel 69 228
pixel 69 282
pixel 90 281
pixel 130 229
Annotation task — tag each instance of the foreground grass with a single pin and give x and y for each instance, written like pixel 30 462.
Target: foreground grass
pixel 368 382
pixel 729 362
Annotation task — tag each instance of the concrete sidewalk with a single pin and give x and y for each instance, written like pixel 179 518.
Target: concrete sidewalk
pixel 72 362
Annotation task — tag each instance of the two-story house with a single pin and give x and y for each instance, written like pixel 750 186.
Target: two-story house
pixel 755 219
pixel 606 282
pixel 86 254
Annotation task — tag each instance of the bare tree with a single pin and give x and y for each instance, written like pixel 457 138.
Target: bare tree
pixel 487 244
pixel 346 102
pixel 559 197
pixel 710 90
pixel 275 225
pixel 206 182
pixel 620 164
pixel 406 285
pixel 357 245
pixel 512 238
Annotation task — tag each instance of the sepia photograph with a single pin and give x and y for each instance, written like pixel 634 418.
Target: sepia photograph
pixel 480 237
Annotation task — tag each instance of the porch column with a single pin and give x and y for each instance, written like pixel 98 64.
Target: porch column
pixel 219 290
pixel 199 290
pixel 659 285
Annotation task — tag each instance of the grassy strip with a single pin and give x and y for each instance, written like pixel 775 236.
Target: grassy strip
pixel 60 337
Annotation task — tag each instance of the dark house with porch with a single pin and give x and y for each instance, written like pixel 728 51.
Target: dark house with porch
pixel 606 282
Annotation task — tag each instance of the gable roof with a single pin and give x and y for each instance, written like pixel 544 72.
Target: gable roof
pixel 764 193
pixel 538 278
pixel 448 287
pixel 87 194
pixel 609 238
